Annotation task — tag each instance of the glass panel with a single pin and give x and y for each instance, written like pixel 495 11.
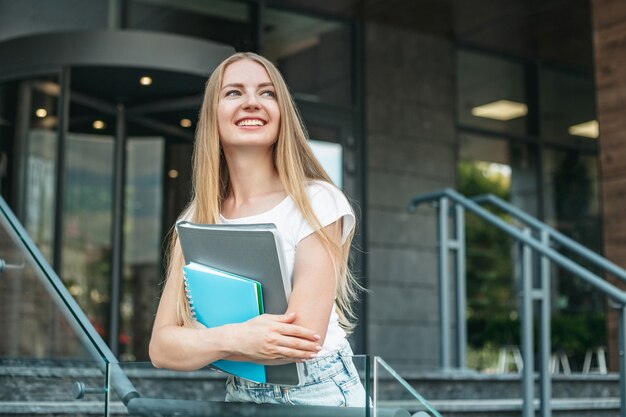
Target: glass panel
pixel 571 200
pixel 43 344
pixel 391 391
pixel 218 20
pixel 313 54
pixel 8 100
pixel 567 108
pixel 330 156
pixel 86 265
pixel 36 141
pixel 491 93
pixel 142 244
pixel 505 169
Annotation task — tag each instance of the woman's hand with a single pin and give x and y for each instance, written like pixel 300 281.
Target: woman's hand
pixel 268 338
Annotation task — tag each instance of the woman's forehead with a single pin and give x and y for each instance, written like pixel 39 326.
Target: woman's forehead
pixel 245 71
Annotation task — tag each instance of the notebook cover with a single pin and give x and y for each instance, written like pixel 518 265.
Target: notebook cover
pixel 219 298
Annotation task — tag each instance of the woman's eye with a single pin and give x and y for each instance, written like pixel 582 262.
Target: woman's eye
pixel 268 93
pixel 232 93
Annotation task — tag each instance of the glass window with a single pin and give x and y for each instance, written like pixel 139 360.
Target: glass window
pixel 513 164
pixel 142 244
pixel 567 108
pixel 313 54
pixel 34 127
pixel 330 156
pixel 491 93
pixel 86 265
pixel 570 181
pixel 224 21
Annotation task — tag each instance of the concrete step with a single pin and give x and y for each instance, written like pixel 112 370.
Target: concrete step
pixel 463 385
pixel 44 388
pixel 561 407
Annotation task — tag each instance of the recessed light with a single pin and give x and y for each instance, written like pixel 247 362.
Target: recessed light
pixel 185 122
pixel 99 124
pixel 172 173
pixel 589 129
pixel 502 110
pixel 41 113
pixel 145 80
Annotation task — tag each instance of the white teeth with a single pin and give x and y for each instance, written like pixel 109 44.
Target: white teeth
pixel 251 122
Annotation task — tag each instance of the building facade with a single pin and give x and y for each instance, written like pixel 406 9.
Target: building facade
pixel 99 100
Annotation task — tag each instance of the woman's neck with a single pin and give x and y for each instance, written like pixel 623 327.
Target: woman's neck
pixel 252 175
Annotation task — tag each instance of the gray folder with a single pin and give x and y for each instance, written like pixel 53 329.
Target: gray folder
pixel 253 251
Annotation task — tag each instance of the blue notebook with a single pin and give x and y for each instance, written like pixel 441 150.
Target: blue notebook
pixel 217 298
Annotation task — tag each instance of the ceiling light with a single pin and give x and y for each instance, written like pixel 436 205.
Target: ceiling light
pixel 185 122
pixel 99 125
pixel 172 173
pixel 501 110
pixel 41 113
pixel 589 129
pixel 145 81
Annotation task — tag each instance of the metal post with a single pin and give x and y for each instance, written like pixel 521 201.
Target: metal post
pixel 117 233
pixel 461 292
pixel 59 202
pixel 527 330
pixel 545 331
pixel 444 285
pixel 107 390
pixel 622 360
pixel 375 388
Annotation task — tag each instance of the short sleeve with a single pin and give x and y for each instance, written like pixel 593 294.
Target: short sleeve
pixel 329 205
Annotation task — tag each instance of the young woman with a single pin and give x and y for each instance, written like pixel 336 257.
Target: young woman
pixel 252 164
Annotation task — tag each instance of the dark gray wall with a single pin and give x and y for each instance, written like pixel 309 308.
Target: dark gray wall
pixel 411 150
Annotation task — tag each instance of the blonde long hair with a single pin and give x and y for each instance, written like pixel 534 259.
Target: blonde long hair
pixel 296 165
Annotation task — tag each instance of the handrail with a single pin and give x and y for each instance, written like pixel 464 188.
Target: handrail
pixel 541 245
pixel 167 407
pixel 68 306
pixel 561 260
pixel 559 237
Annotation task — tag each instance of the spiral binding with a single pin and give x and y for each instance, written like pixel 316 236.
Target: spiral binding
pixel 188 294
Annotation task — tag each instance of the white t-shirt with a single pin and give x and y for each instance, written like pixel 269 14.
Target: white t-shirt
pixel 329 205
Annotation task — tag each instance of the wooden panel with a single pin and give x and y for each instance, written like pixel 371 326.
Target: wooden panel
pixel 608 13
pixel 612 143
pixel 609 34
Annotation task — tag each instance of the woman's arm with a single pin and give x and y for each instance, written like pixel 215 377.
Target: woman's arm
pixel 264 338
pixel 314 282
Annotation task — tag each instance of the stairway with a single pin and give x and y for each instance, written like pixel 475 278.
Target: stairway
pixel 469 394
pixel 42 388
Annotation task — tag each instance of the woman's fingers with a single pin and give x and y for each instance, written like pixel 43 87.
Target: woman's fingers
pixel 293 329
pixel 294 354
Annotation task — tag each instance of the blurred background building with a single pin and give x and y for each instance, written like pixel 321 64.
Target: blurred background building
pixel 99 100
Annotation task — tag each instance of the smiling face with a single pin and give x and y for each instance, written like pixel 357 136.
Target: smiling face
pixel 247 110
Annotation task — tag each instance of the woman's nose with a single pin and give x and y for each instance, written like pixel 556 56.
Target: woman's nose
pixel 251 101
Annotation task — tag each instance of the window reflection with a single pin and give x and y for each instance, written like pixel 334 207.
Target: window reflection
pixel 330 156
pixel 86 265
pixel 142 244
pixel 313 54
pixel 491 93
pixel 567 108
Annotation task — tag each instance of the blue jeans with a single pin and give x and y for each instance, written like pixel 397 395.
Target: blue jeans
pixel 330 380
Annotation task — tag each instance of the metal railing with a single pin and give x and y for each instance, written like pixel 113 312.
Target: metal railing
pixel 528 245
